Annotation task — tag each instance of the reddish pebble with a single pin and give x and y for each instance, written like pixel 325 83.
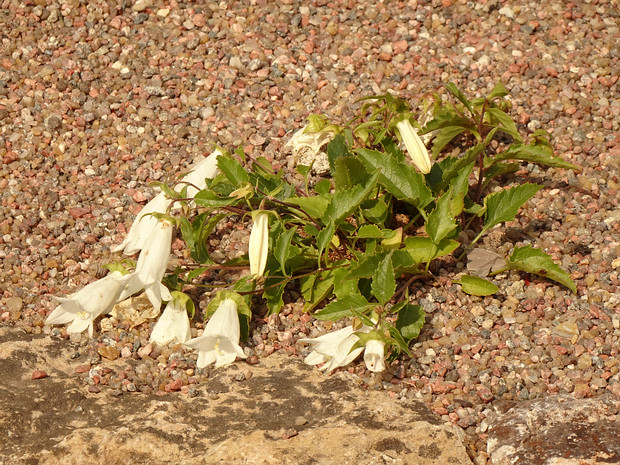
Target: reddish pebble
pixel 38 374
pixel 82 368
pixel 174 386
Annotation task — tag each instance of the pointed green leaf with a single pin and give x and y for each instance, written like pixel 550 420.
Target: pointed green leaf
pixel 538 262
pixel 336 148
pixel 342 308
pixel 344 202
pixel 323 186
pixel 505 123
pixel 498 91
pixel 233 170
pixel 499 169
pixel 459 95
pixel 400 179
pixel 534 154
pixel 367 266
pixel 460 187
pixel 348 172
pixel 314 206
pixel 474 285
pixel 343 283
pixel 325 237
pixel 423 250
pixel 444 136
pixel 208 199
pixel 283 248
pixel 317 288
pixel 440 221
pixel 504 206
pixel 384 282
pixel 273 295
pixel 372 231
pixel 375 210
pixel 410 321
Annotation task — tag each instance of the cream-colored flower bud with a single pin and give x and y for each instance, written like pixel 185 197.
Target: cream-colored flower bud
pixel 259 243
pixel 414 146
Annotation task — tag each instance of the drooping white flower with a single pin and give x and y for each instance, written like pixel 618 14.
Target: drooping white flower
pixel 173 324
pixel 414 146
pixel 333 349
pixel 259 243
pixel 374 355
pixel 143 225
pixel 84 306
pixel 220 341
pixel 205 168
pixel 151 266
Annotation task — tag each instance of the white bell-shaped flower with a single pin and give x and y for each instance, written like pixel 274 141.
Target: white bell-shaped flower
pixel 219 342
pixel 151 266
pixel 84 306
pixel 333 349
pixel 143 225
pixel 173 324
pixel 374 355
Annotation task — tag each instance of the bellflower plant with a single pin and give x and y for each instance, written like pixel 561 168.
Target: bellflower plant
pixel 220 341
pixel 83 307
pixel 349 245
pixel 173 324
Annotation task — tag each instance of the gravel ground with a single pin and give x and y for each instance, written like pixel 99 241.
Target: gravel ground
pixel 99 98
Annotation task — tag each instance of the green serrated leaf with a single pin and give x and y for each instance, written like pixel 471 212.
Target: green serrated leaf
pixel 343 284
pixel 410 321
pixel 504 206
pixel 538 262
pixel 273 295
pixel 375 210
pixel 314 206
pixel 542 155
pixel 400 179
pixel 323 186
pixel 195 273
pixel 440 221
pixel 443 137
pixel 233 170
pixel 367 266
pixel 344 202
pixel 282 250
pixel 342 308
pixel 451 167
pixel 322 288
pixel 498 91
pixel 459 95
pixel 505 123
pixel 383 281
pixel 499 169
pixel 336 148
pixel 459 186
pixel 209 199
pixel 325 237
pixel 348 172
pixel 474 285
pixel 423 250
pixel 372 231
